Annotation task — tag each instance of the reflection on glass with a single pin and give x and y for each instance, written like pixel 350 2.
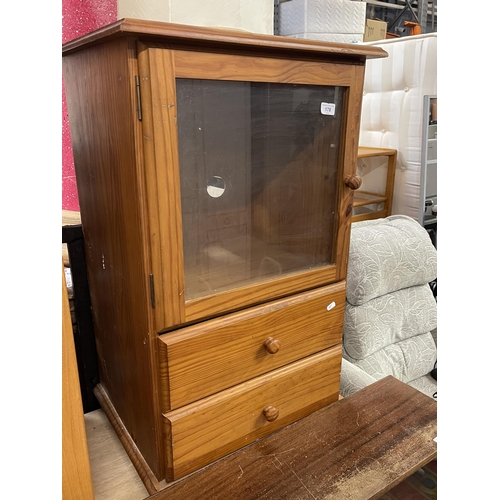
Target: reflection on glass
pixel 258 165
pixel 216 186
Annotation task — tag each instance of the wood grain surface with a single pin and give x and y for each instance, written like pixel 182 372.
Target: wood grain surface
pixel 206 358
pixel 142 468
pixel 159 67
pixel 204 431
pixel 76 474
pixel 367 198
pixel 125 147
pixel 216 66
pixel 199 36
pixel 163 182
pixel 113 473
pixel 69 218
pixel 369 152
pixel 103 120
pixel 356 449
pixel 349 155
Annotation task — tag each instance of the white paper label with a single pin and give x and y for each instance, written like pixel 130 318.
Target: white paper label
pixel 329 307
pixel 69 278
pixel 327 108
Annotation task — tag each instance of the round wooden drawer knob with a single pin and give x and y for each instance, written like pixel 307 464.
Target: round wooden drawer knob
pixel 271 413
pixel 353 181
pixel 272 345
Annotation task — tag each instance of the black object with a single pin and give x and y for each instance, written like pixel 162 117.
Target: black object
pixel 434 287
pixel 434 372
pixel 85 346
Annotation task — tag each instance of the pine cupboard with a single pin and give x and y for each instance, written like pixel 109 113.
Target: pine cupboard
pixel 215 173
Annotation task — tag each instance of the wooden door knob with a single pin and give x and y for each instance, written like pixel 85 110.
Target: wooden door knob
pixel 271 413
pixel 353 181
pixel 272 345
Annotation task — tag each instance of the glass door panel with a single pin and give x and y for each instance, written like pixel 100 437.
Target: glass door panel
pixel 258 165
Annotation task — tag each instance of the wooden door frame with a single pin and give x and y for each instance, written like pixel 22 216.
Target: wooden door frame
pixel 159 66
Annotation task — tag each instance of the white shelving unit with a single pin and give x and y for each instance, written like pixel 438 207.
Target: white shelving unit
pixel 428 172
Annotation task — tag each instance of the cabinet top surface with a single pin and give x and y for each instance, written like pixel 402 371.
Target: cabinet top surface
pixel 218 38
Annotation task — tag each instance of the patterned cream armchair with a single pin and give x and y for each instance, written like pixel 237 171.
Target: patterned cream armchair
pixel 390 324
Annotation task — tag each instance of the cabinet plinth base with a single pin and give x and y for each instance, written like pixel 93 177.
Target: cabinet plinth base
pixel 151 483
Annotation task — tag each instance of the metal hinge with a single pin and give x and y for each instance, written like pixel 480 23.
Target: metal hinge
pixel 152 290
pixel 138 92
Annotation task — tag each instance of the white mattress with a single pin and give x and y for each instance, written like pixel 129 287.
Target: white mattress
pixel 391 116
pixel 322 18
pixel 331 37
pixel 256 16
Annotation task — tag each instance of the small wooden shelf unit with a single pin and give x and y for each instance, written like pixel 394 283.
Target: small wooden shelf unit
pixel 362 198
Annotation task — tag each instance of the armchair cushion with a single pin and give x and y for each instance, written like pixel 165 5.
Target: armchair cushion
pixel 387 320
pixel 388 255
pixel 406 360
pixel 425 384
pixel 353 379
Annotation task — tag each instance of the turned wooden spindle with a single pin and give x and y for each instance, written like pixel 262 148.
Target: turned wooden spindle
pixel 271 413
pixel 353 181
pixel 272 345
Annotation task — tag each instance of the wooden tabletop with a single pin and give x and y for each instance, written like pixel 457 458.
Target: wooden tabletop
pixel 357 448
pixel 71 218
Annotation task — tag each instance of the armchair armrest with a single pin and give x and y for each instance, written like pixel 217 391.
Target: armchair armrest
pixel 352 378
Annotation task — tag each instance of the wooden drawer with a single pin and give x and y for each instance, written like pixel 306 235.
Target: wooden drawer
pixel 202 432
pixel 204 359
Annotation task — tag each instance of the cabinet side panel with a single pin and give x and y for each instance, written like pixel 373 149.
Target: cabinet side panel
pixel 102 117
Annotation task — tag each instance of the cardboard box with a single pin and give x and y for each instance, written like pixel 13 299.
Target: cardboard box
pixel 374 30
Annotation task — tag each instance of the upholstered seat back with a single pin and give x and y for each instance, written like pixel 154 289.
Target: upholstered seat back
pixel 387 255
pixel 388 319
pixel 390 308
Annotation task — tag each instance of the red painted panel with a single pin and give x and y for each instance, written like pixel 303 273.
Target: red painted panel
pixel 79 17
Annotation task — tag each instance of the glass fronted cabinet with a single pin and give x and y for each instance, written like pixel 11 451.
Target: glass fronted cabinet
pixel 215 172
pixel 263 148
pixel 258 167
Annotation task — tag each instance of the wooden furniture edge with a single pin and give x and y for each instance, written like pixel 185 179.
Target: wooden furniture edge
pixel 381 214
pixel 387 197
pixel 219 36
pixel 368 151
pixel 69 218
pixel 145 473
pixel 376 198
pixel 76 472
pixel 200 477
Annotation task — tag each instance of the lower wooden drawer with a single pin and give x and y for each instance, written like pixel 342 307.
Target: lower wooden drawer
pixel 202 432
